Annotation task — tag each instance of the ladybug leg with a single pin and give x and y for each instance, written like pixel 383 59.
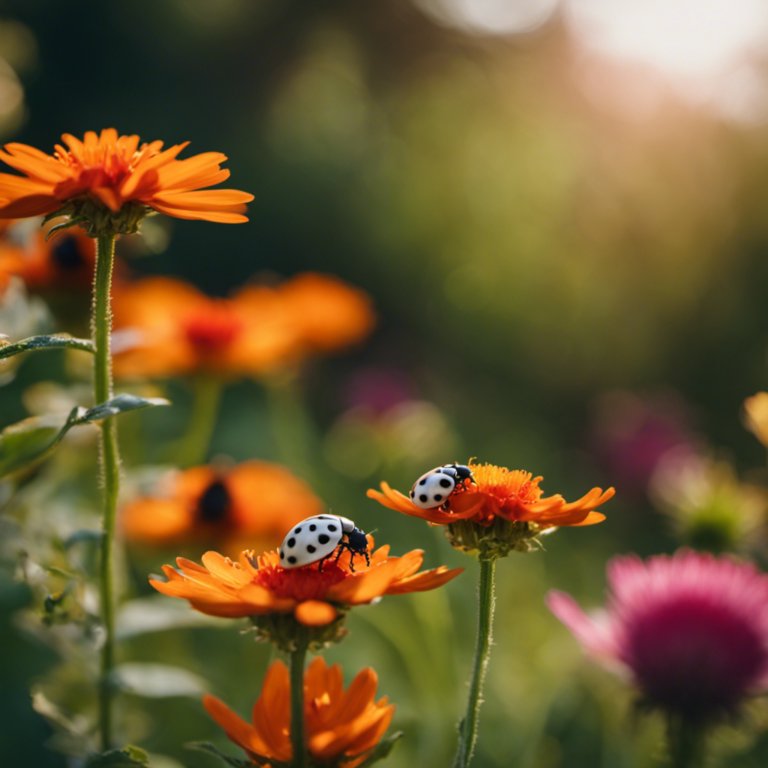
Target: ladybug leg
pixel 367 558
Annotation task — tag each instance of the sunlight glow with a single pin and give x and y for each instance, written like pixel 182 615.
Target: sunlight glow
pixel 708 48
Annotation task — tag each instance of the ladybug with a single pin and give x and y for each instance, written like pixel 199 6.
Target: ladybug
pixel 315 539
pixel 433 488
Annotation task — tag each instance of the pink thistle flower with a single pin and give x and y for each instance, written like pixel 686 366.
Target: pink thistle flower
pixel 691 630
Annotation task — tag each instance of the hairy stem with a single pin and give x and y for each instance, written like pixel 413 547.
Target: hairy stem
pixel 298 742
pixel 101 322
pixel 468 725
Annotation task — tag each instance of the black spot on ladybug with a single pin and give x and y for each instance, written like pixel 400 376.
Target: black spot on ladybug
pixel 291 542
pixel 282 554
pixel 438 497
pixel 213 504
pixel 291 559
pixel 331 528
pixel 313 527
pixel 445 483
pixel 323 539
pixel 423 498
pixel 298 530
pixel 423 481
pixel 411 494
pixel 310 548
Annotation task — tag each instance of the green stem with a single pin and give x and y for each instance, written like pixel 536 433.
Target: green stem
pixel 194 446
pixel 686 742
pixel 101 321
pixel 298 743
pixel 468 726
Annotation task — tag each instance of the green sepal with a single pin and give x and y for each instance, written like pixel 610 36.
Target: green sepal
pixel 379 752
pixel 206 746
pixel 127 757
pixel 55 341
pixel 71 222
pixel 28 441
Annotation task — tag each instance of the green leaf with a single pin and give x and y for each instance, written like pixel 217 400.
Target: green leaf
pixel 22 444
pixel 379 752
pixel 128 757
pixel 117 405
pixel 56 341
pixel 28 441
pixel 206 746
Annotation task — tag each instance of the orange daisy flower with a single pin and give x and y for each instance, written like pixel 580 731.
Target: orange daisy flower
pixel 67 261
pixel 255 501
pixel 503 512
pixel 283 602
pixel 110 183
pixel 342 727
pixel 175 329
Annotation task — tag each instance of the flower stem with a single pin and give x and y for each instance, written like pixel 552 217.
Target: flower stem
pixel 298 742
pixel 194 446
pixel 468 725
pixel 101 321
pixel 686 742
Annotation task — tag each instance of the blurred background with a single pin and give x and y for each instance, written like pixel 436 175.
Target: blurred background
pixel 558 209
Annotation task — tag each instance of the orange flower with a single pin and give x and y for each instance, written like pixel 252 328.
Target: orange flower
pixel 342 727
pixel 174 329
pixel 326 313
pixel 112 182
pixel 253 501
pixel 506 503
pixel 259 587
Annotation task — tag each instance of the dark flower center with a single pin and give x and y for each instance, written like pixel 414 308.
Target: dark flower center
pixel 213 506
pixel 65 253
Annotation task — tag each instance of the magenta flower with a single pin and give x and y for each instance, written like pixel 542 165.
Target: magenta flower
pixel 691 630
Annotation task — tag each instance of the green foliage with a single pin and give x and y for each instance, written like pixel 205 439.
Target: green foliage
pixel 128 757
pixel 55 341
pixel 206 746
pixel 28 441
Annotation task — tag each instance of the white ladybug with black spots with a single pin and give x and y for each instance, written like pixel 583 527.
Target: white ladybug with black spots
pixel 434 488
pixel 314 540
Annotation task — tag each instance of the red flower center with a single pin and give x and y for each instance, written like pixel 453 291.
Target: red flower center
pixel 213 330
pixel 308 583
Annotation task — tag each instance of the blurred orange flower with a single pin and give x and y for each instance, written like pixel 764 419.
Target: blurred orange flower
pixel 511 494
pixel 254 501
pixel 66 261
pixel 175 329
pixel 326 313
pixel 257 586
pixel 341 726
pixel 113 173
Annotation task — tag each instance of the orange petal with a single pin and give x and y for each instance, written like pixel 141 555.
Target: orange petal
pixel 423 582
pixel 315 613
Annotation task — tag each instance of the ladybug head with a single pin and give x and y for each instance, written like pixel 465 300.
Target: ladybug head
pixel 357 540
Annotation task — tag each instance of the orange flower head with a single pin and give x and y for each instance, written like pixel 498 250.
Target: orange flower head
pixel 342 727
pixel 503 512
pixel 308 603
pixel 108 183
pixel 253 502
pixel 175 329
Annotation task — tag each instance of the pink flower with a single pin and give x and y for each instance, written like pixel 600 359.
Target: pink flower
pixel 691 629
